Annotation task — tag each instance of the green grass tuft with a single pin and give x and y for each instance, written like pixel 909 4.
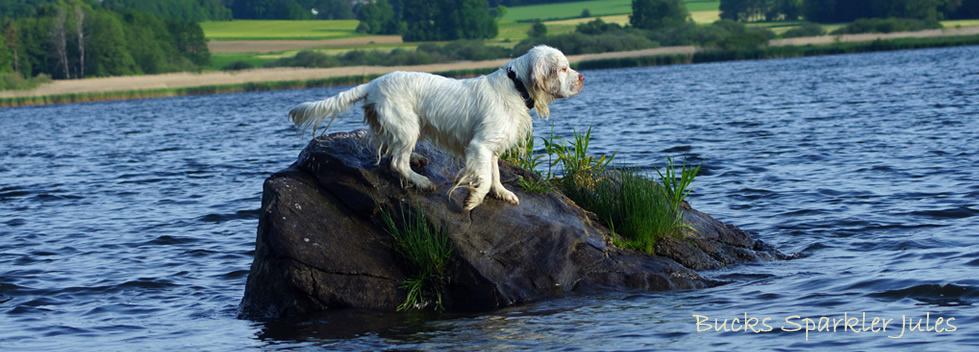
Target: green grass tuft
pixel 633 206
pixel 676 186
pixel 426 249
pixel 522 156
pixel 580 169
pixel 637 209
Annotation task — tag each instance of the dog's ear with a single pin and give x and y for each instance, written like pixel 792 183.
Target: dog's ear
pixel 542 72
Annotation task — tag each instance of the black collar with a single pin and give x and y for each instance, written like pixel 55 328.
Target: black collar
pixel 520 87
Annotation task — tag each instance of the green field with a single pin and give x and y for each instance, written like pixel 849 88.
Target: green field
pixel 220 60
pixel 512 28
pixel 567 10
pixel 595 7
pixel 703 5
pixel 960 23
pixel 280 29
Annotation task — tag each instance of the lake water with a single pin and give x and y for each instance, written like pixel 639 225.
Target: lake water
pixel 130 225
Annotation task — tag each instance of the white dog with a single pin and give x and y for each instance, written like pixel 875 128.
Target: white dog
pixel 476 118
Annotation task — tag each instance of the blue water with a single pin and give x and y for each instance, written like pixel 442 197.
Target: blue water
pixel 130 225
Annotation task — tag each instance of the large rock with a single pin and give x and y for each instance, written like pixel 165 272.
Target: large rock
pixel 321 244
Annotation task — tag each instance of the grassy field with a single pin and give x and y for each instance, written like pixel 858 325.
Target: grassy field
pixel 279 29
pixel 563 17
pixel 220 60
pixel 597 8
pixel 703 5
pixel 960 23
pixel 567 10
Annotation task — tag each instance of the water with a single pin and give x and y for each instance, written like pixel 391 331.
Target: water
pixel 131 225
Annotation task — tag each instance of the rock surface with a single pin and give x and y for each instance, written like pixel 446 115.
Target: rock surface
pixel 321 244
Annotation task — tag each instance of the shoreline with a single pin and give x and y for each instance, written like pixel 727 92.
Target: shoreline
pixel 216 82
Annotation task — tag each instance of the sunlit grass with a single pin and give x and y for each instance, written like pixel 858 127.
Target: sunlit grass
pixel 706 16
pixel 512 28
pixel 637 209
pixel 280 29
pixel 633 206
pixel 567 10
pixel 220 60
pixel 960 23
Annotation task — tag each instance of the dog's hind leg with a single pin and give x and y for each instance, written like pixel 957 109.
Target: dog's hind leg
pixel 497 189
pixel 399 131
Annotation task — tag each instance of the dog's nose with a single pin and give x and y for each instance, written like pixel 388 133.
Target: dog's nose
pixel 581 78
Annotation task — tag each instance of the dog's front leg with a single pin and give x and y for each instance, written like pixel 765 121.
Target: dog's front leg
pixel 497 189
pixel 479 169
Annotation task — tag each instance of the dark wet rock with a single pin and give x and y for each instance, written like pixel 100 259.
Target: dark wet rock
pixel 321 245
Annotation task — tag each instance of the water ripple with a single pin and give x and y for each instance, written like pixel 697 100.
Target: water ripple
pixel 140 232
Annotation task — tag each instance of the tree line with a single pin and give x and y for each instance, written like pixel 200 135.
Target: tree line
pixel 205 10
pixel 835 11
pixel 67 39
pixel 428 20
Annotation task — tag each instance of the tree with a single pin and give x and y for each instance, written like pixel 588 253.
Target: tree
pixel 447 20
pixel 6 56
pixel 22 8
pixel 111 59
pixel 332 9
pixel 476 21
pixel 377 17
pixel 657 14
pixel 190 42
pixel 11 40
pixel 187 10
pixel 59 42
pixel 537 30
pixel 965 9
pixel 498 11
pixel 760 10
pixel 419 18
pixel 830 11
pixel 80 39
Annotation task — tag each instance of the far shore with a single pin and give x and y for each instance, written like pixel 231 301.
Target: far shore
pixel 159 83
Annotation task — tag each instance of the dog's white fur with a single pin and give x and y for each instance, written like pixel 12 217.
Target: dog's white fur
pixel 477 118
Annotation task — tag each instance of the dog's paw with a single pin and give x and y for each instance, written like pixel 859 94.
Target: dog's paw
pixel 472 202
pixel 507 196
pixel 424 184
pixel 418 160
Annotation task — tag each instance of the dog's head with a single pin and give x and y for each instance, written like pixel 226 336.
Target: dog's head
pixel 549 76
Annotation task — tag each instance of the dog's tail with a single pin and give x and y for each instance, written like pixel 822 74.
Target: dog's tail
pixel 312 114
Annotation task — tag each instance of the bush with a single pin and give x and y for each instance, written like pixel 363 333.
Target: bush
pixel 723 34
pixel 306 58
pixel 737 36
pixel 14 81
pixel 537 29
pixel 577 43
pixel 470 50
pixel 887 25
pixel 597 26
pixel 427 53
pixel 807 29
pixel 238 66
